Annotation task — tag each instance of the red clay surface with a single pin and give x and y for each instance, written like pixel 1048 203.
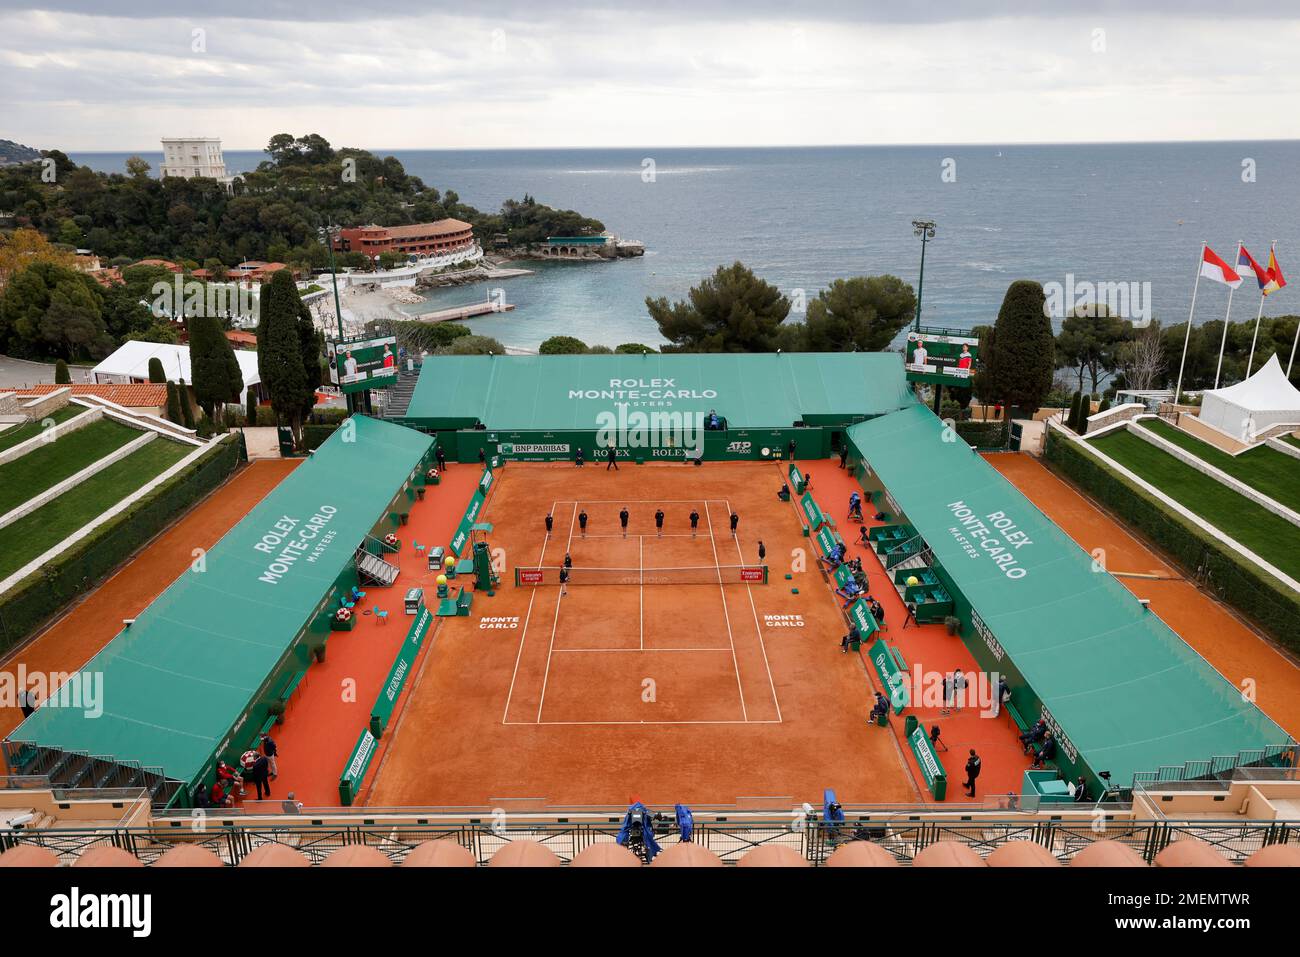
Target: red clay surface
pixel 80 634
pixel 332 705
pixel 1227 643
pixel 537 698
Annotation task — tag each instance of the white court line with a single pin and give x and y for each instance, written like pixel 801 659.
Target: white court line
pixel 757 627
pixel 533 724
pixel 641 574
pixel 546 676
pixel 744 712
pixel 527 616
pixel 561 651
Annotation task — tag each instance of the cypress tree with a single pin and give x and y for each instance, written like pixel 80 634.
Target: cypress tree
pixel 187 410
pixel 280 351
pixel 1073 420
pixel 217 377
pixel 250 410
pixel 174 404
pixel 156 373
pixel 1021 358
pixel 61 374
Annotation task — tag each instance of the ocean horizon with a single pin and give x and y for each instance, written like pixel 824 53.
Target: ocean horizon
pixel 800 217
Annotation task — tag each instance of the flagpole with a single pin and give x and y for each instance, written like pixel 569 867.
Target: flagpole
pixel 1178 389
pixel 1251 361
pixel 1224 341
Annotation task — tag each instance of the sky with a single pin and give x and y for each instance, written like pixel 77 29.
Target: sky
pixel 79 76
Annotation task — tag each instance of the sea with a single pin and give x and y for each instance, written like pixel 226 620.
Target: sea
pixel 1064 215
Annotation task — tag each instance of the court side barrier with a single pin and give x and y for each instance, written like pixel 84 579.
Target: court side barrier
pixel 812 512
pixel 886 661
pixel 404 663
pixel 467 521
pixel 936 779
pixel 796 479
pixel 354 772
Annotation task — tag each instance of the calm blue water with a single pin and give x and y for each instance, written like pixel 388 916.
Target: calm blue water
pixel 802 217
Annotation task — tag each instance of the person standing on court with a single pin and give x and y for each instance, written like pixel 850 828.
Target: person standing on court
pixel 735 520
pixel 695 521
pixel 762 551
pixel 564 580
pixel 659 523
pixel 582 522
pixel 270 749
pixel 972 772
pixel 622 520
pixel 790 447
pixel 959 688
pixel 577 458
pixel 442 459
pixel 550 524
pixel 611 459
pixel 482 456
pixel 844 456
pixel 259 775
pixel 568 560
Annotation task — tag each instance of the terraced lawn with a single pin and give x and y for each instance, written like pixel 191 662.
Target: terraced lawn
pixel 21 433
pixel 1266 470
pixel 50 464
pixel 1270 537
pixel 34 534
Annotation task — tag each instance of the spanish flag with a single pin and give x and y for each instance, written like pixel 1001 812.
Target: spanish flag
pixel 1275 278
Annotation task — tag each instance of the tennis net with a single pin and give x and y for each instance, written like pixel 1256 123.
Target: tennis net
pixel 531 575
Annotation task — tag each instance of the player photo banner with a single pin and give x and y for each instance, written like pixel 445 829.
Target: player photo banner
pixel 360 364
pixel 939 358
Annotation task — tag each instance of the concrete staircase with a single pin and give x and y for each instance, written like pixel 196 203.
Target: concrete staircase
pixel 399 396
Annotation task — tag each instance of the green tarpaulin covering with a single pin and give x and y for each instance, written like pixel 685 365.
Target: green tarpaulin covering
pixel 569 392
pixel 1128 692
pixel 179 679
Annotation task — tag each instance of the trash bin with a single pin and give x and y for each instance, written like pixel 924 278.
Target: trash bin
pixel 435 558
pixel 286 441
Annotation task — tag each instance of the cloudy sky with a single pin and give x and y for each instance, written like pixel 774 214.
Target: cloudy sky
pixel 79 75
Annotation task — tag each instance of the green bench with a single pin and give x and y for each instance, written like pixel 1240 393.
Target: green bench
pixel 460 605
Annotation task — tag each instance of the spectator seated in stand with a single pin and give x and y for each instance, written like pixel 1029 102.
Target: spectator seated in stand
pixel 1046 752
pixel 711 422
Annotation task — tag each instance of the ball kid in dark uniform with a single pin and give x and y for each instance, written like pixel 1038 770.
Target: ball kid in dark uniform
pixel 695 521
pixel 582 522
pixel 622 520
pixel 659 523
pixel 735 520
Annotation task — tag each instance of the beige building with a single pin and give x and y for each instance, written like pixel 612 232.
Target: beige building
pixel 188 157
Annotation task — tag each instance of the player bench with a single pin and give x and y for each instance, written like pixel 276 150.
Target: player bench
pixel 452 607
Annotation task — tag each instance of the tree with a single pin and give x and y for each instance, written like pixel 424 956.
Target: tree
pixel 1021 351
pixel 27 246
pixel 250 409
pixel 187 408
pixel 61 374
pixel 1142 360
pixel 473 346
pixel 280 351
pixel 217 376
pixel 1072 420
pixel 156 373
pixel 48 309
pixel 633 349
pixel 1089 343
pixel 562 346
pixel 137 167
pixel 174 404
pixel 862 314
pixel 731 311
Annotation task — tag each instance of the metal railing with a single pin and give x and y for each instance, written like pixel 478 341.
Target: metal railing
pixel 904 838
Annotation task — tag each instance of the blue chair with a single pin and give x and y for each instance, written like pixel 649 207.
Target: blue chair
pixel 381 615
pixel 357 594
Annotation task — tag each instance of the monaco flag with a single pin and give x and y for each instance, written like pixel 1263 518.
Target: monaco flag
pixel 1212 267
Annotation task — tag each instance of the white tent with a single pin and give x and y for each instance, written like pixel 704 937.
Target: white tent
pixel 1248 408
pixel 130 363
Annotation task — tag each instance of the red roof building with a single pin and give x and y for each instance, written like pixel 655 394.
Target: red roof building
pixel 421 239
pixel 148 395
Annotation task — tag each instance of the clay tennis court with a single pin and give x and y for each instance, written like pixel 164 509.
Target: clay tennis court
pixel 1224 640
pixel 697 686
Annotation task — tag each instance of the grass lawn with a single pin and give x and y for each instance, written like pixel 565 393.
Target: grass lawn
pixel 49 465
pixel 34 534
pixel 1265 470
pixel 21 433
pixel 1292 439
pixel 1270 537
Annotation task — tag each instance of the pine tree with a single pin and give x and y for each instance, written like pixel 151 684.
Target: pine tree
pixel 61 374
pixel 1073 420
pixel 156 373
pixel 250 410
pixel 217 376
pixel 1021 359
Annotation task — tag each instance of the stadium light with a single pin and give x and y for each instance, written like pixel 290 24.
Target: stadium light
pixel 925 229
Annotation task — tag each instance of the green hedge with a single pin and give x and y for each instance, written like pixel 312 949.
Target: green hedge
pixel 314 435
pixel 1273 607
pixel 985 435
pixel 30 604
